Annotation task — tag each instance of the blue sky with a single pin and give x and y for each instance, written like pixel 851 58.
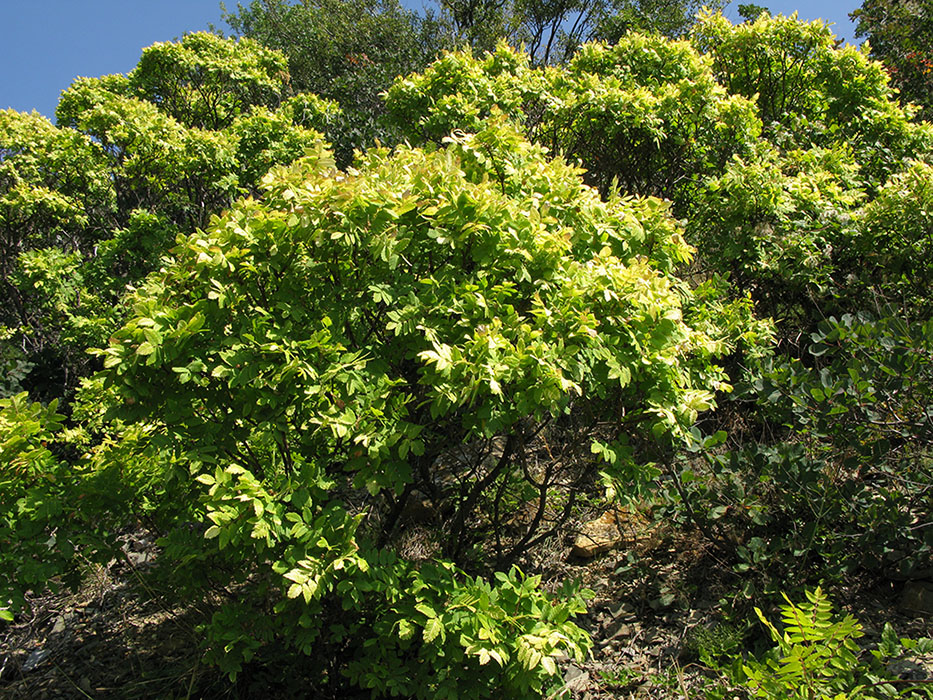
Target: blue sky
pixel 47 43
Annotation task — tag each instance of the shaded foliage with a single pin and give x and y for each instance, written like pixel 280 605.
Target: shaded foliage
pixel 901 37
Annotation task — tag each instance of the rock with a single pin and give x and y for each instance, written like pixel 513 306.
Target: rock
pixel 140 558
pixel 597 536
pixel 918 597
pixel 573 671
pixel 59 625
pixel 35 659
pixel 576 679
pixel 608 531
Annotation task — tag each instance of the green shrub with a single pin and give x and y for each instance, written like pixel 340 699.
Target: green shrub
pixel 645 116
pixel 54 513
pixel 91 205
pixel 316 362
pixel 831 474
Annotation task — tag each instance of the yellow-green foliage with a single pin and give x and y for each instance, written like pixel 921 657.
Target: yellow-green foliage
pixel 342 334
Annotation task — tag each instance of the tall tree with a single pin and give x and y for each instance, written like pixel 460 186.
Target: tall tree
pixel 348 51
pixel 900 33
pixel 552 30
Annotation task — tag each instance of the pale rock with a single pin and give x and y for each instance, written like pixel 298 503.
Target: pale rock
pixel 610 530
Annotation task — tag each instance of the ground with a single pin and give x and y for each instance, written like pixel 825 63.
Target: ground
pixel 661 603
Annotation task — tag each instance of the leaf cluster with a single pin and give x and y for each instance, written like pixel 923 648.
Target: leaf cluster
pixel 90 205
pixel 816 656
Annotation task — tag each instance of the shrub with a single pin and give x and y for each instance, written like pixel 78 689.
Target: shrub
pixel 316 363
pixel 832 472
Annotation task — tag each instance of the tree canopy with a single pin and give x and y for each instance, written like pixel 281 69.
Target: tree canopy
pixel 901 37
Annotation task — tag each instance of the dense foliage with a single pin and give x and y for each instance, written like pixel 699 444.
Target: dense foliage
pixel 780 214
pixel 407 331
pixel 91 204
pixel 347 51
pixel 350 51
pixel 901 37
pixel 357 396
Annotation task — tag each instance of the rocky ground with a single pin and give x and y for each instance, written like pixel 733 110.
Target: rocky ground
pixel 661 610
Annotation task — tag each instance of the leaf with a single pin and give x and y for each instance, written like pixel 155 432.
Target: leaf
pixel 717 512
pixel 211 532
pixel 405 629
pixel 433 629
pixel 221 371
pixel 296 575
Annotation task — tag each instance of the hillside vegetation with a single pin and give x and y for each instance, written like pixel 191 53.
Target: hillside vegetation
pixel 362 367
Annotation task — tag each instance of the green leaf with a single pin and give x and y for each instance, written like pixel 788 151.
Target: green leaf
pixel 433 629
pixel 405 629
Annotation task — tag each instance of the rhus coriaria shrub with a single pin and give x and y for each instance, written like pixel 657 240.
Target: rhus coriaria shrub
pixel 358 352
pixel 32 496
pixel 784 228
pixel 811 91
pixel 892 246
pixel 55 514
pixel 768 137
